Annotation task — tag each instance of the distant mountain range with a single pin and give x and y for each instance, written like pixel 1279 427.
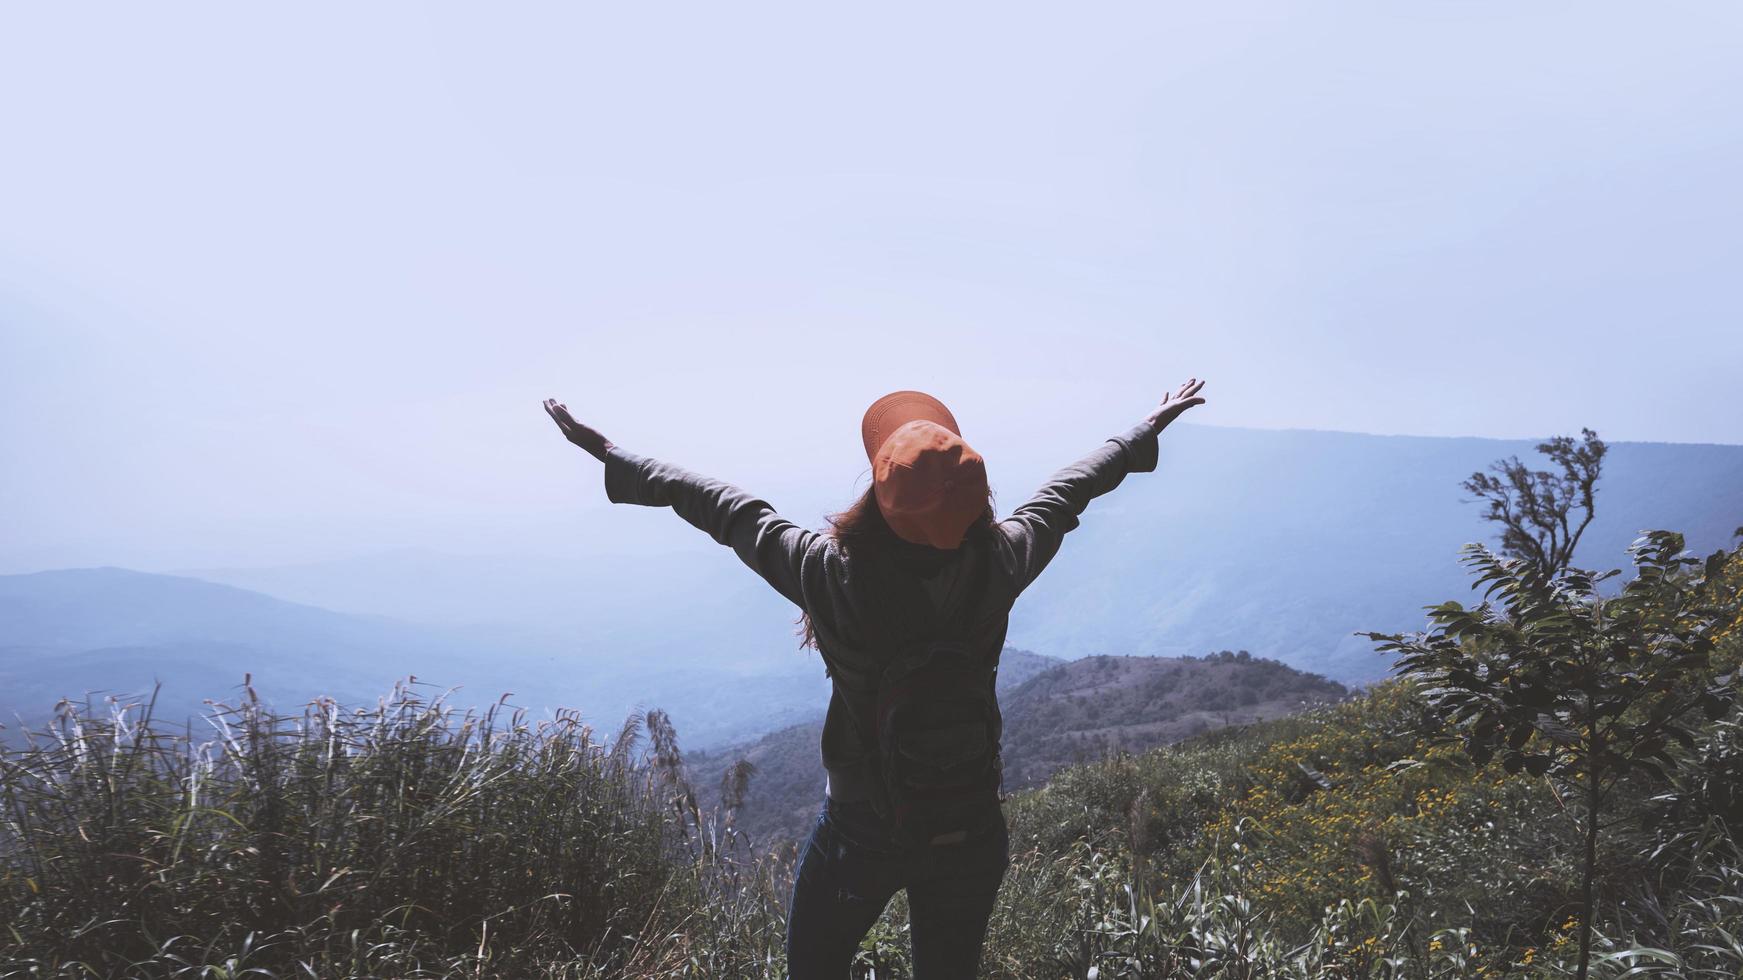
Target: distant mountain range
pixel 1282 543
pixel 110 631
pixel 1287 543
pixel 1056 713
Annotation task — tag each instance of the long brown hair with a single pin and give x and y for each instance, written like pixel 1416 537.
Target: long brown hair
pixel 862 533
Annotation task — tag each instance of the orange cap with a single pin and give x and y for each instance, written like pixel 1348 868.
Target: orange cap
pixel 930 484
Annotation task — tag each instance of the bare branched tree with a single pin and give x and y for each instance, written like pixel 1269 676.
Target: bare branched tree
pixel 1537 508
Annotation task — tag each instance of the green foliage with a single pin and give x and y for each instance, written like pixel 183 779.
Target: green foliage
pixel 1535 508
pixel 1352 840
pixel 1560 680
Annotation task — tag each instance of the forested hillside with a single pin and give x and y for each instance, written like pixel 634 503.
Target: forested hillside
pixel 1055 714
pixel 786 781
pixel 1098 707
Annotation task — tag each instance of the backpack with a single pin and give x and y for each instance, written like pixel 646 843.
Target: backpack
pixel 937 728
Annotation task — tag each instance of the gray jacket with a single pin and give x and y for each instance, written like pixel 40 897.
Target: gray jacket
pixel 864 610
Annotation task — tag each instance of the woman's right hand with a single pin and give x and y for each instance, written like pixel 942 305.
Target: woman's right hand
pixel 585 436
pixel 1174 404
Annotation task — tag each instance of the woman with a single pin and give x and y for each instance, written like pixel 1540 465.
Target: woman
pixel 919 560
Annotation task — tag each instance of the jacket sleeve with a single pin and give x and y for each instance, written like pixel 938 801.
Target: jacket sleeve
pixel 1035 530
pixel 795 560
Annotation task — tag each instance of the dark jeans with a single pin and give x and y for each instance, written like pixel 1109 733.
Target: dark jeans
pixel 850 869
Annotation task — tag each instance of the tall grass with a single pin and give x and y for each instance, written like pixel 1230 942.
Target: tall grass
pixel 409 839
pixel 405 839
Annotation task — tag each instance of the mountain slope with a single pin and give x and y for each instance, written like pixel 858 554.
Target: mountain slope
pixel 1287 543
pixel 1284 543
pixel 788 784
pixel 115 631
pixel 1091 708
pixel 112 630
pixel 1055 714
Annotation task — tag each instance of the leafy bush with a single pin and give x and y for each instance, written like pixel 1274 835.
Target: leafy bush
pixel 1561 680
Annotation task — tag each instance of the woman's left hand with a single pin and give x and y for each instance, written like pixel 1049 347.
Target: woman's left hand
pixel 585 436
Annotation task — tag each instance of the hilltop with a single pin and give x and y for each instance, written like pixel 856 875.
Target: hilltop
pixel 787 786
pixel 1056 714
pixel 1096 707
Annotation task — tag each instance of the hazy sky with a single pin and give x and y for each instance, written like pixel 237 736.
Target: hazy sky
pixel 287 283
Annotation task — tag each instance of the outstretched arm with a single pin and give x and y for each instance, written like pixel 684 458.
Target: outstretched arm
pixel 1036 529
pixel 796 561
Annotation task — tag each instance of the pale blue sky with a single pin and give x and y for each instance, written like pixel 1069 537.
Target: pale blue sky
pixel 289 283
